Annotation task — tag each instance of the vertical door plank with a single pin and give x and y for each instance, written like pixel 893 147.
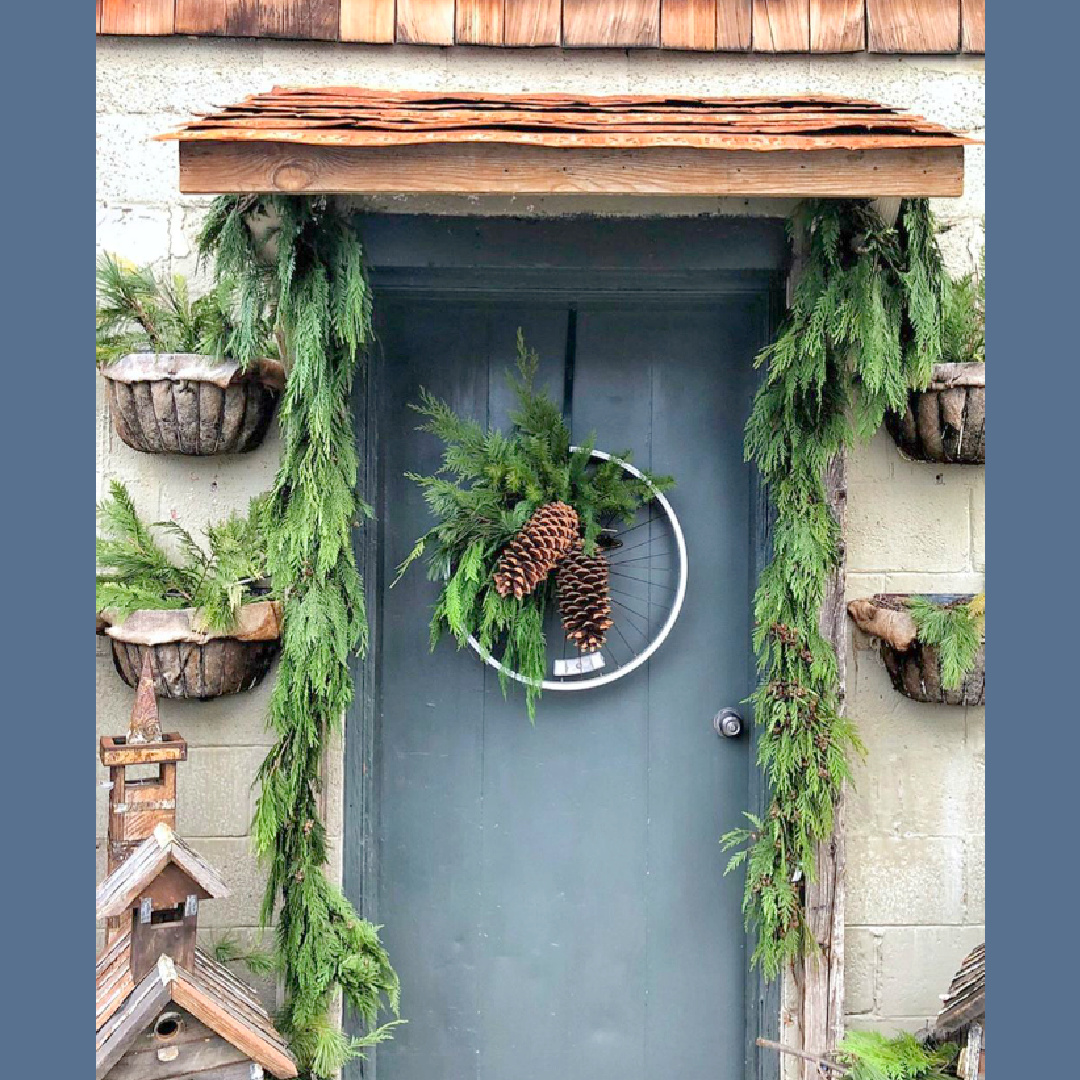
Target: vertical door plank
pixel 532 22
pixel 781 25
pixel 367 20
pixel 734 23
pixel 479 22
pixel 623 23
pixel 201 16
pixel 688 24
pixel 973 25
pixel 837 25
pixel 913 26
pixel 307 19
pixel 135 16
pixel 425 22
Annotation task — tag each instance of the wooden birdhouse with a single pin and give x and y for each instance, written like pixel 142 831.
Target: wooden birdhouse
pixel 166 1009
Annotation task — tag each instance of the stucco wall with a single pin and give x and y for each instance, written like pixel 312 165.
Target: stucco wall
pixel 915 849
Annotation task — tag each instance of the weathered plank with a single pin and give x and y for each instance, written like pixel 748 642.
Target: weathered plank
pixel 202 17
pixel 532 22
pixel 913 26
pixel 207 167
pixel 623 23
pixel 479 22
pixel 425 22
pixel 837 25
pixel 303 19
pixel 148 17
pixel 688 24
pixel 781 25
pixel 99 3
pixel 973 26
pixel 734 24
pixel 367 20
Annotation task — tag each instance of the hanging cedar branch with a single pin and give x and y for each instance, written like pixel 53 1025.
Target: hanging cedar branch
pixel 865 325
pixel 316 284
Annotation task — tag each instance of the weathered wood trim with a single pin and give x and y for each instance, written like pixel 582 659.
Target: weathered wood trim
pixel 210 168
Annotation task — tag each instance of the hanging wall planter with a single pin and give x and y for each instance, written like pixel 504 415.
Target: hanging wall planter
pixel 191 663
pixel 918 669
pixel 946 422
pixel 184 403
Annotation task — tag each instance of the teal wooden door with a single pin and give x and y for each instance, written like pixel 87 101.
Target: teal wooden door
pixel 553 896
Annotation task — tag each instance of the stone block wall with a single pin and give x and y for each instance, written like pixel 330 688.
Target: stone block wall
pixel 915 844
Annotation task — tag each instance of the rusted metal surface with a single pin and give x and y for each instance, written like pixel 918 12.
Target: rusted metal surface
pixel 355 117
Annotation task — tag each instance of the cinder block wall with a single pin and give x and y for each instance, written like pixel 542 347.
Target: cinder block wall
pixel 915 895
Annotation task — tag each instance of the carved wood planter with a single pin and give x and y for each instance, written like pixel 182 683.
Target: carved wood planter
pixel 915 668
pixel 184 403
pixel 946 422
pixel 191 664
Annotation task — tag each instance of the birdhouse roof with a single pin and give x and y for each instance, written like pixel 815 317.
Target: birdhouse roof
pixel 965 1003
pixel 210 992
pixel 125 885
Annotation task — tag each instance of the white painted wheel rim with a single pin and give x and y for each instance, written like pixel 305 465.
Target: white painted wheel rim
pixel 595 681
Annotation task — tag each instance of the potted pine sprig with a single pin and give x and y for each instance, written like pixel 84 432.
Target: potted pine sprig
pixel 205 613
pixel 165 357
pixel 946 421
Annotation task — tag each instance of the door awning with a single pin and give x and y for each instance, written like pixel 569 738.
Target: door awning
pixel 352 140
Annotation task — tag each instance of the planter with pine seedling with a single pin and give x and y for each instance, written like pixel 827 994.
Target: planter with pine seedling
pixel 946 421
pixel 933 646
pixel 172 389
pixel 207 616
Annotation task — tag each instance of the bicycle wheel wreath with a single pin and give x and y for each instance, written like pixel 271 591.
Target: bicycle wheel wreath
pixel 564 567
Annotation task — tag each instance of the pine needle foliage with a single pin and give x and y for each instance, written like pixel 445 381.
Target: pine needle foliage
pixel 489 485
pixel 869 1055
pixel 964 317
pixel 138 311
pixel 864 326
pixel 954 630
pixel 261 962
pixel 316 284
pixel 135 570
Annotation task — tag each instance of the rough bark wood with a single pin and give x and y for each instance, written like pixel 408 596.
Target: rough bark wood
pixel 532 22
pixel 150 17
pixel 479 22
pixel 688 24
pixel 913 26
pixel 894 625
pixel 620 23
pixel 207 168
pixel 186 670
pixel 203 17
pixel 734 25
pixel 973 26
pixel 837 26
pixel 425 22
pixel 917 675
pixel 367 20
pixel 781 26
pixel 945 423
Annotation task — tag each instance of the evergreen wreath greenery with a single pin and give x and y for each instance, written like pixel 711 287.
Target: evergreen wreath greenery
pixel 489 485
pixel 954 630
pixel 964 317
pixel 135 571
pixel 865 325
pixel 869 1055
pixel 308 269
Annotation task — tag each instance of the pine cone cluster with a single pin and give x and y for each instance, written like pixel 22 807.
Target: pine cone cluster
pixel 536 550
pixel 584 599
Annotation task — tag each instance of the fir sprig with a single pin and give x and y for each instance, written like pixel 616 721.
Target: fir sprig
pixel 489 485
pixel 865 324
pixel 954 630
pixel 869 1055
pixel 320 295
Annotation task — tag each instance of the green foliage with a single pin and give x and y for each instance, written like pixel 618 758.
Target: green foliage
pixel 135 571
pixel 964 317
pixel 261 962
pixel 489 485
pixel 140 312
pixel 954 630
pixel 318 289
pixel 869 1055
pixel 864 326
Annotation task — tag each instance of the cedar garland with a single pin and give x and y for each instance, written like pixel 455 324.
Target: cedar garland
pixel 864 326
pixel 318 292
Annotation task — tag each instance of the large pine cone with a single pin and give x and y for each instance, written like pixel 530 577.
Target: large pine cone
pixel 585 599
pixel 536 550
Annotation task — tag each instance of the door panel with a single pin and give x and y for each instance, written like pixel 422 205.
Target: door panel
pixel 553 895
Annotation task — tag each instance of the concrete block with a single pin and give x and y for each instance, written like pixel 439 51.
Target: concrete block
pixel 131 166
pixel 975 879
pixel 978 523
pixel 861 947
pixel 906 881
pixel 886 1025
pixel 918 963
pixel 215 795
pixel 914 581
pixel 908 523
pixel 137 233
pixel 235 860
pixel 872 460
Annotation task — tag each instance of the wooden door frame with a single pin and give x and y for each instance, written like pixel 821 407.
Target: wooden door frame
pixel 433 256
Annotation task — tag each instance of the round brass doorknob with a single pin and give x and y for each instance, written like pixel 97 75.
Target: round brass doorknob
pixel 728 723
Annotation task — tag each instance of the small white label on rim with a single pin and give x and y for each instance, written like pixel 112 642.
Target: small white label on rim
pixel 580 665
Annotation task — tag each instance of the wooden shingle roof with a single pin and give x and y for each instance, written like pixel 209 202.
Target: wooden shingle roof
pixel 965 1002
